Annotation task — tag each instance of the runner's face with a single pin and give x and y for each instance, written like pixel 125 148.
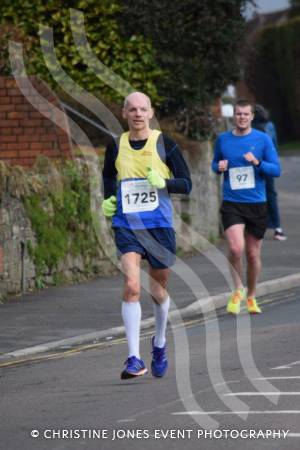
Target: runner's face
pixel 243 117
pixel 138 113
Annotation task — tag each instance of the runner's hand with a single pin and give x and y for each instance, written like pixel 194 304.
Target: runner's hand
pixel 109 206
pixel 251 158
pixel 223 165
pixel 155 179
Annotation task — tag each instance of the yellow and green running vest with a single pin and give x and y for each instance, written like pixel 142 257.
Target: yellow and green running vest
pixel 138 204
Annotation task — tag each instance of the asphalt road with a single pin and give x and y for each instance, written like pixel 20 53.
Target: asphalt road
pixel 241 375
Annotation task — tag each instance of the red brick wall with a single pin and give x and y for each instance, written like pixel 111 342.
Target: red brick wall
pixel 25 132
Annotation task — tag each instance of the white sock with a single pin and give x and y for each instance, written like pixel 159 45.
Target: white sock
pixel 161 318
pixel 279 230
pixel 132 313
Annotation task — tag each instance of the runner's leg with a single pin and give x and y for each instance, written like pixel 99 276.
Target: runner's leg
pixel 131 308
pixel 161 302
pixel 273 210
pixel 253 252
pixel 236 244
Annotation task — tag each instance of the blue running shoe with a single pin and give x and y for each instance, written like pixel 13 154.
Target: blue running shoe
pixel 159 364
pixel 134 368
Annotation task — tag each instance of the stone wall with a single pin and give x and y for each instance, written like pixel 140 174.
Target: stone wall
pixel 197 215
pixel 18 273
pixel 15 231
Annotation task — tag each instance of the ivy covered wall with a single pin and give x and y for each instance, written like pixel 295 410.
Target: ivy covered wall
pixel 50 230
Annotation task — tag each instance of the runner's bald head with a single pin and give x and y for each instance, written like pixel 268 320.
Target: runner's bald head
pixel 136 96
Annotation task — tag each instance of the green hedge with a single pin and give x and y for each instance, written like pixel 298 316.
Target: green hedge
pixel 131 58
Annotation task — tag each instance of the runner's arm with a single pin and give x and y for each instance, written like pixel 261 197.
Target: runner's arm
pixel 181 183
pixel 270 164
pixel 217 157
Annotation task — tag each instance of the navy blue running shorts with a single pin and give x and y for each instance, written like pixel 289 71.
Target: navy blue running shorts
pixel 157 245
pixel 253 215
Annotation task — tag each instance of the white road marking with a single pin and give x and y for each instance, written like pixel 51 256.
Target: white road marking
pixel 286 366
pixel 223 413
pixel 126 420
pixel 249 394
pixel 173 402
pixel 296 377
pixel 225 383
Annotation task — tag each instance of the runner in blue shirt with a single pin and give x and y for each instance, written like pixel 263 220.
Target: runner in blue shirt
pixel 244 156
pixel 141 168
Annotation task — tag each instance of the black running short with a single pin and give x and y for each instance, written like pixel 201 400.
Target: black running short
pixel 252 215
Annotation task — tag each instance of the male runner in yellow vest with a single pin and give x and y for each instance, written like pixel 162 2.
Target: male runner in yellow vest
pixel 141 169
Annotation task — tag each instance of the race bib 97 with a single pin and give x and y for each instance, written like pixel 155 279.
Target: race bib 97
pixel 138 196
pixel 242 177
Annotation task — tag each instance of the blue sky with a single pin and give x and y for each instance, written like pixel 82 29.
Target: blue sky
pixel 270 5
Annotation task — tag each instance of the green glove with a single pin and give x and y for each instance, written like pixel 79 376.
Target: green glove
pixel 109 206
pixel 155 179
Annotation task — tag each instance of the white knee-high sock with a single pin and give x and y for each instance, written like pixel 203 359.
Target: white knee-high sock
pixel 132 313
pixel 161 318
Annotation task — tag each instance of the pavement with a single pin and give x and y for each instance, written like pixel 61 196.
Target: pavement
pixel 62 317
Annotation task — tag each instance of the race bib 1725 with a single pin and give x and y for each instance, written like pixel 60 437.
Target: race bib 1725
pixel 138 196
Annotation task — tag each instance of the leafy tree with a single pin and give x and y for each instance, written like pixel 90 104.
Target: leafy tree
pixel 131 58
pixel 197 44
pixel 185 52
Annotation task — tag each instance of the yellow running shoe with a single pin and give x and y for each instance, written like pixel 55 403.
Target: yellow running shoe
pixel 252 306
pixel 234 302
